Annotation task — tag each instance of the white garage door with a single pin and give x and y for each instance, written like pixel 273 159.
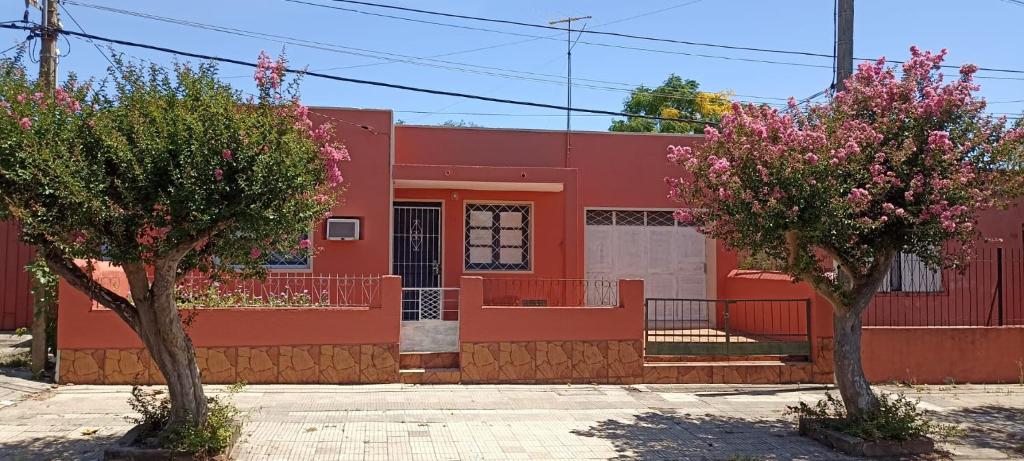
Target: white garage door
pixel 649 245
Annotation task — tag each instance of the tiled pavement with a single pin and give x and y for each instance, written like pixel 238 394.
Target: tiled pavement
pixel 409 422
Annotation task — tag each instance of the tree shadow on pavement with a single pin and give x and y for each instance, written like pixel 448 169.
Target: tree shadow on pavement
pixel 57 447
pixel 990 426
pixel 668 435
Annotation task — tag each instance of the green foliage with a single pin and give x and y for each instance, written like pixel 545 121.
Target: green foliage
pixel 212 296
pixel 44 295
pixel 155 159
pixel 208 439
pixel 897 418
pixel 676 98
pixel 19 360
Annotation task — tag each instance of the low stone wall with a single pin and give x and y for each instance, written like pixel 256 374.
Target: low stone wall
pixel 324 364
pixel 613 362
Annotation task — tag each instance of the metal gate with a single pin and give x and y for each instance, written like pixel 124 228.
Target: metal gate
pixel 727 326
pixel 417 258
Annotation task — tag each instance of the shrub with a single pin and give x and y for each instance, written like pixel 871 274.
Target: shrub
pixel 19 360
pixel 208 439
pixel 897 418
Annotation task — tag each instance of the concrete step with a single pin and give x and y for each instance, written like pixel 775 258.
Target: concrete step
pixel 412 360
pixel 430 375
pixel 732 372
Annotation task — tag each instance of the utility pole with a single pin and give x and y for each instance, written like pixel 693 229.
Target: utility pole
pixel 568 81
pixel 48 80
pixel 844 43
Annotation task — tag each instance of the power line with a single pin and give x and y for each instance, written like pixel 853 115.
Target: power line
pixel 594 32
pixel 447 65
pixel 591 32
pixel 363 81
pixel 541 37
pixel 62 7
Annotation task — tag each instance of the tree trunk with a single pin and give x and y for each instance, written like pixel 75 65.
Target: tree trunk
pixel 853 385
pixel 161 330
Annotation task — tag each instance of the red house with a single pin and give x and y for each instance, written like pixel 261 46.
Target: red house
pixel 529 256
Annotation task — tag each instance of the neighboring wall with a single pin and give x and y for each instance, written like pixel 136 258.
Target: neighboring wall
pixel 944 355
pixel 15 284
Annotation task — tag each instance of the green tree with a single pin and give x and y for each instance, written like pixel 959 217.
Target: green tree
pixel 163 172
pixel 676 98
pixel 891 164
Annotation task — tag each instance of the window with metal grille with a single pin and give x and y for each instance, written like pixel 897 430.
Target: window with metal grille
pixel 288 260
pixel 631 218
pixel 497 237
pixel 908 274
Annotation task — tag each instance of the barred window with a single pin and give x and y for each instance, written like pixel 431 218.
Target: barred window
pixel 631 218
pixel 497 237
pixel 908 274
pixel 288 260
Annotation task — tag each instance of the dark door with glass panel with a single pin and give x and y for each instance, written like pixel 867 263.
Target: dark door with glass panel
pixel 417 258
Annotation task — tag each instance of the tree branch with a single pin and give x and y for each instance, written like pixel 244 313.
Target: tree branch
pixel 81 280
pixel 175 254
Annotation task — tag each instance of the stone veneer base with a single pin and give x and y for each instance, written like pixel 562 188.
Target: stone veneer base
pixel 539 362
pixel 312 364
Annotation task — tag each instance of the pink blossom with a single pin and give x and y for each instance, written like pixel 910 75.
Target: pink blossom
pixel 304 243
pixel 255 253
pixel 226 154
pixel 683 216
pixel 21 98
pixel 25 123
pixel 218 174
pixel 811 158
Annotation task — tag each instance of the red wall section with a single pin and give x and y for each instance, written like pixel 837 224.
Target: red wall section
pixel 479 323
pixel 548 231
pixel 367 134
pixel 427 145
pixel 84 325
pixel 15 284
pixel 936 355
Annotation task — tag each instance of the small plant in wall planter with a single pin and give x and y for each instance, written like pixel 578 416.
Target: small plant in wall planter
pixel 898 427
pixel 153 438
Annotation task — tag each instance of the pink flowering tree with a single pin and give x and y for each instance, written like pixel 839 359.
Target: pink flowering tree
pixel 163 172
pixel 898 162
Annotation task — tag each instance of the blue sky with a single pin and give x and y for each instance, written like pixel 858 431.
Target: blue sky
pixel 979 31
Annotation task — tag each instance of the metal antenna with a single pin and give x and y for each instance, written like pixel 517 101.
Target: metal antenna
pixel 568 81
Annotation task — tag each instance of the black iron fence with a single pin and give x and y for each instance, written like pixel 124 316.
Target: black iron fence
pixel 727 326
pixel 988 292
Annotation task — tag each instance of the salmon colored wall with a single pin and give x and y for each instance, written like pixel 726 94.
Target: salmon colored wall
pixel 616 169
pixel 15 284
pixel 367 134
pixel 481 323
pixel 547 229
pixel 937 355
pixel 82 324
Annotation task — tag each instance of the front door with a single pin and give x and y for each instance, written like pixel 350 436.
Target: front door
pixel 417 258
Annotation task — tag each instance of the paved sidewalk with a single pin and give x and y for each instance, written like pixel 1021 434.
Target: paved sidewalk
pixel 406 422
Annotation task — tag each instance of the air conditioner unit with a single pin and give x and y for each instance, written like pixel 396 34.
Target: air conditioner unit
pixel 342 229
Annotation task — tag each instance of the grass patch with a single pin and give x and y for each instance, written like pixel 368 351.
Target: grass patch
pixel 898 419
